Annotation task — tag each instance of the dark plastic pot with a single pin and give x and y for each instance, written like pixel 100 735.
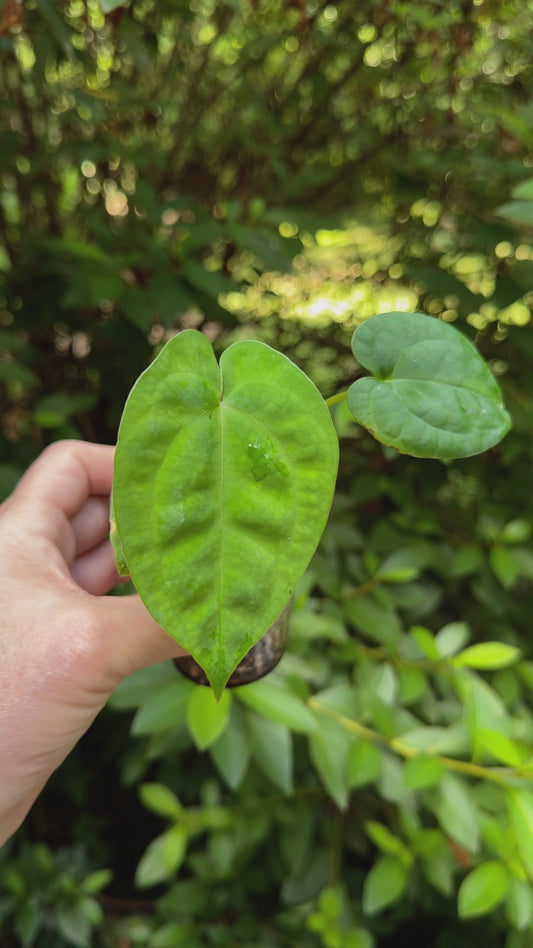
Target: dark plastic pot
pixel 258 662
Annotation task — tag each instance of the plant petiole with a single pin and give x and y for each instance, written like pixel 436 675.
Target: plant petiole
pixel 335 399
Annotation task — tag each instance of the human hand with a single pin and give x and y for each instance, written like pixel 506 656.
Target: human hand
pixel 64 645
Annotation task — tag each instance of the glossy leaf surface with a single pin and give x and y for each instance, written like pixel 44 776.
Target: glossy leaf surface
pixel 273 698
pixel 271 744
pixel 384 884
pixel 457 812
pixel 520 809
pixel 431 394
pixel 207 718
pixel 223 480
pixel 364 764
pixel 328 748
pixel 519 903
pixel 487 655
pixel 231 750
pixel 162 858
pixel 161 800
pixel 482 889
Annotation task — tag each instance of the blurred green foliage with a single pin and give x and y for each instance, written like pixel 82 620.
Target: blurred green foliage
pixel 281 169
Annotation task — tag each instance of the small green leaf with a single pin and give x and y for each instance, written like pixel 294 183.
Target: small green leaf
pixel 358 938
pixel 505 565
pixel 432 395
pixel 96 881
pixel 224 475
pixel 520 809
pixel 384 884
pixel 487 655
pixel 405 574
pixel 437 859
pixel 412 685
pixel 162 858
pixel 364 763
pixel 435 740
pixel 483 706
pixel 52 411
pixel 467 560
pixel 519 212
pixel 525 670
pixel 457 812
pixel 426 642
pixel 328 748
pixel 304 885
pixel 74 927
pixel 383 684
pixel 519 903
pixel 271 745
pixel 381 715
pixel 387 841
pixel 161 800
pixel 329 907
pixel 372 618
pixel 170 935
pixel 275 700
pixel 483 889
pixel 406 561
pixel 91 910
pixel 422 771
pixel 16 372
pixel 390 784
pixel 231 750
pixel 207 717
pixel 515 531
pixel 451 638
pixel 165 708
pixel 142 684
pixel 483 710
pixel 297 839
pixel 306 625
pixel 341 698
pixel 503 749
pixel 524 190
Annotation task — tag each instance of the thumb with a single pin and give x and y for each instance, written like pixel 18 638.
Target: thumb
pixel 133 639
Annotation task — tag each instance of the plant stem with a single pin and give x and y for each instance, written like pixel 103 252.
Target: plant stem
pixel 396 745
pixel 340 397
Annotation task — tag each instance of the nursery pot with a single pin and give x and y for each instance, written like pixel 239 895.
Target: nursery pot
pixel 258 662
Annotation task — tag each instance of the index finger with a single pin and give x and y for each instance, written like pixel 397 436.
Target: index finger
pixel 59 482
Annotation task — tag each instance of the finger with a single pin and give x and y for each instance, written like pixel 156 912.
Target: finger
pixel 57 485
pixel 132 638
pixel 91 524
pixel 96 571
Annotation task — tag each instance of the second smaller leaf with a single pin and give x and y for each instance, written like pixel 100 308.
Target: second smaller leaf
pixel 431 394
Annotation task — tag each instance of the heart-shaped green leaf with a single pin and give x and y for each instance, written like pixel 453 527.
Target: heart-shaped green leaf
pixel 432 394
pixel 223 481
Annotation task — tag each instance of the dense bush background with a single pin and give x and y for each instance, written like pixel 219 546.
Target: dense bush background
pixel 281 169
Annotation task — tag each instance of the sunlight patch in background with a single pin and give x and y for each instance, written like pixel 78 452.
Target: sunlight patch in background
pixel 342 276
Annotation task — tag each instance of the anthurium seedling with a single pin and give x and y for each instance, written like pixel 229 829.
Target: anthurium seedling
pixel 224 476
pixel 225 472
pixel 431 394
